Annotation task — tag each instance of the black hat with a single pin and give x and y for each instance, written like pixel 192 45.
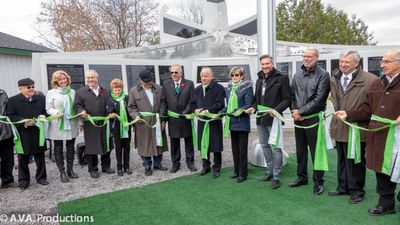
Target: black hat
pixel 26 82
pixel 146 76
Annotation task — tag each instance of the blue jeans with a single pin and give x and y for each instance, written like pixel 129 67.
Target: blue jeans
pixel 273 157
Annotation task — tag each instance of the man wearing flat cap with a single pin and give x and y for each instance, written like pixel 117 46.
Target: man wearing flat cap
pixel 148 97
pixel 28 105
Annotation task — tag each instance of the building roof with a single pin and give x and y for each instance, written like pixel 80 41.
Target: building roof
pixel 14 45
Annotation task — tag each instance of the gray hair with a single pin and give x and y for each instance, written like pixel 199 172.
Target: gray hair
pixel 355 54
pixel 394 53
pixel 179 67
pixel 91 72
pixel 316 51
pixel 208 69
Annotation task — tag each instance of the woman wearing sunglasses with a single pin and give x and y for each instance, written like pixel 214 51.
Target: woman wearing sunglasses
pixel 239 95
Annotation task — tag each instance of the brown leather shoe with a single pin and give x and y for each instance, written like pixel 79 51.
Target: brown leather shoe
pixel 10 185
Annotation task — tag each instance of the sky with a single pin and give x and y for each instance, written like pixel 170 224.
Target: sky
pixel 17 17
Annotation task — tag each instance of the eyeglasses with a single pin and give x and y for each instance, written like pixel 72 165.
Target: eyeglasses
pixel 235 75
pixel 174 72
pixel 389 61
pixel 30 87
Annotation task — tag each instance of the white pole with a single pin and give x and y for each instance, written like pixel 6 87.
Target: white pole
pixel 266 27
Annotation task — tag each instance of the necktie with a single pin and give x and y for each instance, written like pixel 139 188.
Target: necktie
pixel 345 83
pixel 177 87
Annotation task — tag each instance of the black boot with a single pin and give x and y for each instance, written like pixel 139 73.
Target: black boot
pixel 63 176
pixel 70 162
pixel 59 158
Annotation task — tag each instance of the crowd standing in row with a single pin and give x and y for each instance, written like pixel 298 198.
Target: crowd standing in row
pixel 356 96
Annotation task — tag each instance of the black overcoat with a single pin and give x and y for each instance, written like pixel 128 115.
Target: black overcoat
pixel 86 100
pixel 213 101
pixel 18 108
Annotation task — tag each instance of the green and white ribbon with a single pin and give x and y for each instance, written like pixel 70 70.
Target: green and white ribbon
pixel 106 122
pixel 157 125
pixel 17 139
pixel 190 117
pixel 42 123
pixel 391 154
pixel 275 136
pixel 354 144
pixel 321 148
pixel 205 138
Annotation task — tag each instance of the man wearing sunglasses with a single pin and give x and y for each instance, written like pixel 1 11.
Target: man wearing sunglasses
pixel 178 93
pixel 28 105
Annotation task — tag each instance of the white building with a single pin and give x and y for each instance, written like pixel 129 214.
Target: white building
pixel 214 43
pixel 16 61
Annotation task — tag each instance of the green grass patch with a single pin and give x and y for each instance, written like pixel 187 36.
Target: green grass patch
pixel 203 200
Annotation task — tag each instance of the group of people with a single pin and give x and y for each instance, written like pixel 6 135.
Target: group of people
pixel 356 96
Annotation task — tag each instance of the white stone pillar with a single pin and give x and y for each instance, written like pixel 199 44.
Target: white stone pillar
pixel 266 28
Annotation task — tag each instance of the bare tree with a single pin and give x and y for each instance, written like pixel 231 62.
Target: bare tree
pixel 192 10
pixel 81 25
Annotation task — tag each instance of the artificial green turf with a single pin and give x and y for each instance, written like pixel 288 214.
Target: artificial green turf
pixel 203 200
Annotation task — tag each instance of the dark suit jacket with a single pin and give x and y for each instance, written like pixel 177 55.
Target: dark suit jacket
pixel 179 103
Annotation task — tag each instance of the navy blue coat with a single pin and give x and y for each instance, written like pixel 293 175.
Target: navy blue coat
pixel 213 101
pixel 245 101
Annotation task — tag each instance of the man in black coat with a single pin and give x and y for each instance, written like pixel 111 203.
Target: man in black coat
pixel 28 105
pixel 209 96
pixel 6 147
pixel 310 90
pixel 178 92
pixel 273 91
pixel 92 100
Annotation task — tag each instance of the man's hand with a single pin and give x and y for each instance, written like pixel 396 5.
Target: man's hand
pixel 296 115
pixel 198 110
pixel 398 120
pixel 84 115
pixel 28 123
pixel 341 114
pixel 250 111
pixel 112 115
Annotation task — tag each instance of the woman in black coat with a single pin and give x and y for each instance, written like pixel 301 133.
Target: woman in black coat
pixel 122 135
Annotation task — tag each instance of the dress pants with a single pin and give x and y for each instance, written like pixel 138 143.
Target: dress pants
pixel 307 139
pixel 93 161
pixel 351 176
pixel 7 160
pixel 176 152
pixel 240 141
pixel 217 162
pixel 386 190
pixel 24 176
pixel 122 150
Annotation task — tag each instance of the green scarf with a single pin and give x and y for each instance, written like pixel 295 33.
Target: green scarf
pixel 233 104
pixel 123 116
pixel 67 91
pixel 204 86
